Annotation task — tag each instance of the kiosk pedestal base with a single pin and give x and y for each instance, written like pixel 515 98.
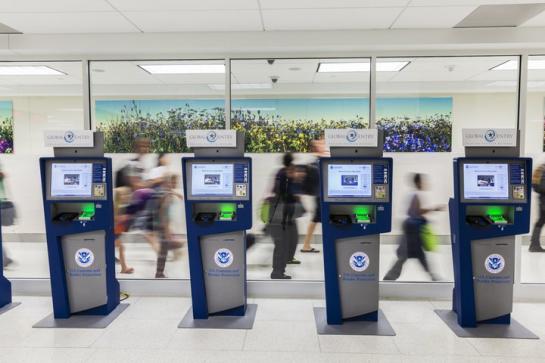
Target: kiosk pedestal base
pixel 82 321
pixel 508 331
pixel 8 307
pixel 220 321
pixel 381 327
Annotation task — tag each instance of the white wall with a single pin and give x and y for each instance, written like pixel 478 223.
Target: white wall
pixel 34 114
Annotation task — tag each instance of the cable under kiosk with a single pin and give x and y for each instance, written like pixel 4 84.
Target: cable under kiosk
pixel 78 210
pixel 491 205
pixel 356 206
pixel 217 185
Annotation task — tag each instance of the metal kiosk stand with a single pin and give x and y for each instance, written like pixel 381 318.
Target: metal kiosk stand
pixel 491 205
pixel 356 206
pixel 78 210
pixel 217 184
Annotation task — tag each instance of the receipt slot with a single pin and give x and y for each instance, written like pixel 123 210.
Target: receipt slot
pixel 218 209
pixel 356 207
pixel 491 205
pixel 78 210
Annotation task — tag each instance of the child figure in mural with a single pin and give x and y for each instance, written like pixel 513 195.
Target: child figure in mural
pixel 411 243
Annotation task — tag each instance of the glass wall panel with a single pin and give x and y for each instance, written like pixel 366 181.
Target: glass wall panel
pixel 34 96
pixel 533 262
pixel 423 108
pixel 147 106
pixel 284 105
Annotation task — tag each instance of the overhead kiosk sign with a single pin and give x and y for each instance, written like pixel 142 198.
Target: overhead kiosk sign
pixel 68 138
pixel 489 137
pixel 351 137
pixel 211 138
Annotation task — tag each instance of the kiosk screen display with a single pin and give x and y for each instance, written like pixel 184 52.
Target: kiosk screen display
pixel 349 180
pixel 486 181
pixel 212 179
pixel 71 179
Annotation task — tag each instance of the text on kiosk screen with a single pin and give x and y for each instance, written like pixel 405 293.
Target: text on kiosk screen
pixel 349 180
pixel 486 181
pixel 71 180
pixel 212 179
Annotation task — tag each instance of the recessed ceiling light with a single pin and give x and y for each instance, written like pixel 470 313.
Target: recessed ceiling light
pixel 182 68
pixel 361 67
pixel 221 87
pixel 512 65
pixel 294 69
pixel 29 71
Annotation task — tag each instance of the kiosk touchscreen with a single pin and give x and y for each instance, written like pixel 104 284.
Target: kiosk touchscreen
pixel 356 191
pixel 78 210
pixel 218 208
pixel 491 205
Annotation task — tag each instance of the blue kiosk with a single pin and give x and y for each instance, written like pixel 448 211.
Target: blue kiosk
pixel 78 210
pixel 491 205
pixel 356 207
pixel 217 185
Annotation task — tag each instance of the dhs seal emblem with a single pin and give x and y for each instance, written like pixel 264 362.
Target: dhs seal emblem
pixel 84 257
pixel 212 136
pixel 494 263
pixel 351 135
pixel 359 261
pixel 490 135
pixel 69 137
pixel 223 257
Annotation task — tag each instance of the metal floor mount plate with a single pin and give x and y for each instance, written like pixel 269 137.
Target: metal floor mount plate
pixel 8 307
pixel 219 321
pixel 381 327
pixel 515 330
pixel 82 321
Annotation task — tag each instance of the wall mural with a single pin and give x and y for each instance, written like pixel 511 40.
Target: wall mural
pixel 6 127
pixel 276 125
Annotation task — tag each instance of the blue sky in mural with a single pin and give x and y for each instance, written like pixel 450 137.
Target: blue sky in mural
pixel 297 108
pixel 6 109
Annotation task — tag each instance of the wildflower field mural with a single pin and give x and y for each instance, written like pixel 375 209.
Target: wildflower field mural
pixel 276 125
pixel 6 127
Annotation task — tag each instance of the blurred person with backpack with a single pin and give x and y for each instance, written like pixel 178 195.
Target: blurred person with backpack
pixel 311 186
pixel 538 185
pixel 415 230
pixel 284 209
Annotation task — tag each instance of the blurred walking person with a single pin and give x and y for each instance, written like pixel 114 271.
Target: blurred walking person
pixel 538 184
pixel 282 225
pixel 8 214
pixel 122 198
pixel 411 244
pixel 311 186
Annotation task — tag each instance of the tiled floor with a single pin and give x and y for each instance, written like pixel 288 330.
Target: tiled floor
pixel 284 332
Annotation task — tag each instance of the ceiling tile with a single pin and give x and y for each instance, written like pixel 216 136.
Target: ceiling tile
pixel 166 5
pixel 193 21
pixel 96 22
pixel 470 2
pixel 53 6
pixel 330 19
pixel 538 20
pixel 510 15
pixel 432 17
pixel 317 4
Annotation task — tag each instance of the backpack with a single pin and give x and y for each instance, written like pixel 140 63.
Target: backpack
pixel 538 180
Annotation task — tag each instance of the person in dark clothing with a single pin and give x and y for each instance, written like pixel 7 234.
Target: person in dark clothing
pixel 538 184
pixel 411 245
pixel 282 226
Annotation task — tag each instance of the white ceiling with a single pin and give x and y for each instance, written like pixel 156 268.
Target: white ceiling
pixel 123 16
pixel 296 77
